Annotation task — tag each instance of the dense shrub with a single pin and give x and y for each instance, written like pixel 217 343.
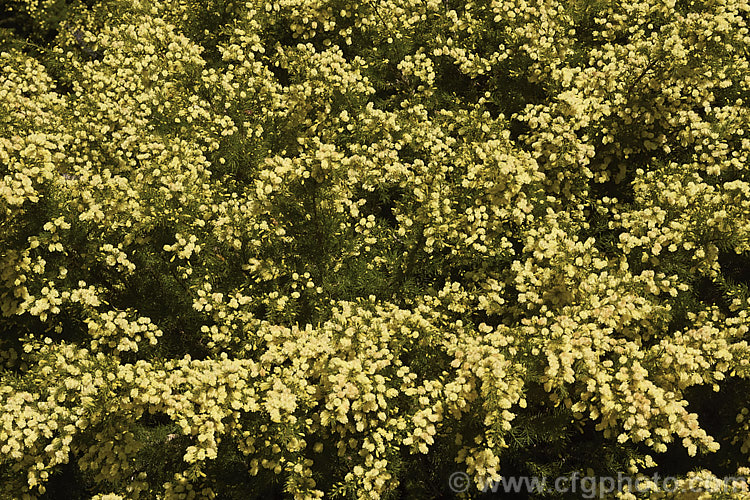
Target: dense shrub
pixel 320 248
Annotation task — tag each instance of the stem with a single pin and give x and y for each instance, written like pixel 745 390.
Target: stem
pixel 411 258
pixel 640 77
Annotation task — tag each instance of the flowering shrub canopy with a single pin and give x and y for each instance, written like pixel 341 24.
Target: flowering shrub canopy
pixel 348 248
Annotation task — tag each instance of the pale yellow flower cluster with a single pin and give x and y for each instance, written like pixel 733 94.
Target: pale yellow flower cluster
pixel 698 484
pixel 341 240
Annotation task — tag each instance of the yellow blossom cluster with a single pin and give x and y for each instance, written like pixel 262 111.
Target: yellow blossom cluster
pixel 353 248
